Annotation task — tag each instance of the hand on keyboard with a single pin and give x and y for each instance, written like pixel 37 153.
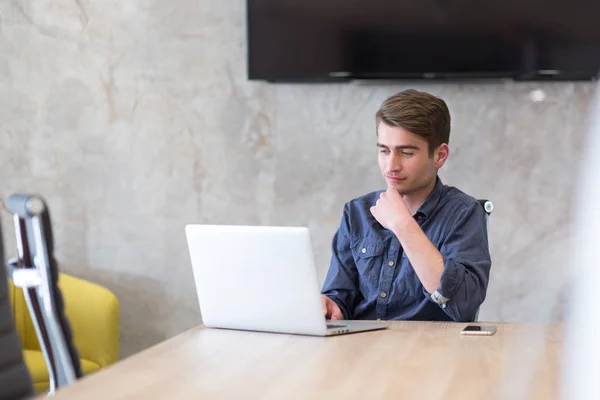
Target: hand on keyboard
pixel 331 309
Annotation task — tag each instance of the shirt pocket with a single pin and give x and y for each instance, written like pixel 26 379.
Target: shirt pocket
pixel 368 254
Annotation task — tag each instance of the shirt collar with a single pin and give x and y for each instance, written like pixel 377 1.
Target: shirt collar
pixel 432 200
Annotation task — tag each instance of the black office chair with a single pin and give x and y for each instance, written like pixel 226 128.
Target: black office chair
pixel 36 271
pixel 15 381
pixel 488 207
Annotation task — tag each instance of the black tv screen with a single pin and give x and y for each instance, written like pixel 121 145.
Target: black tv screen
pixel 323 40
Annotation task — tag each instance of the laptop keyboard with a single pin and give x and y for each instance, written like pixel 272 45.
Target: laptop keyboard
pixel 331 326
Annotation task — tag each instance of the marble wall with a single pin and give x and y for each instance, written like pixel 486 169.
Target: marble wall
pixel 134 118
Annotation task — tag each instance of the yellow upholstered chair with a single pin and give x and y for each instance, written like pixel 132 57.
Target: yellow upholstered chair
pixel 93 313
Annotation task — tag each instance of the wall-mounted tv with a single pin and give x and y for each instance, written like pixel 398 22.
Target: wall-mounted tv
pixel 328 40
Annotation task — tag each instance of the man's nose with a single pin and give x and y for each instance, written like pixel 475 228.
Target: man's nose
pixel 395 163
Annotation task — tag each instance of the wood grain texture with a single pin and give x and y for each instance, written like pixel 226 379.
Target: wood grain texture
pixel 428 360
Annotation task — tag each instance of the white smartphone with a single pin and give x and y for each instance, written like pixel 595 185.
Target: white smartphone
pixel 479 330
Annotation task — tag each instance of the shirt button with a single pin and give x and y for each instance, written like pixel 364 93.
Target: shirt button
pixel 364 250
pixel 383 294
pixel 391 263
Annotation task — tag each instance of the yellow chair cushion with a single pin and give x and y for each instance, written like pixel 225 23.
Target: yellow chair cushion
pixel 93 313
pixel 39 373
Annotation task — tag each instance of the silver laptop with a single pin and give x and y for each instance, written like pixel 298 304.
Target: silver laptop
pixel 261 278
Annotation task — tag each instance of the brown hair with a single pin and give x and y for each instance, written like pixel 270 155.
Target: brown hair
pixel 419 113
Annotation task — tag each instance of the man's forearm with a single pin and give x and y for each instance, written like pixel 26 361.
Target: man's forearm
pixel 426 260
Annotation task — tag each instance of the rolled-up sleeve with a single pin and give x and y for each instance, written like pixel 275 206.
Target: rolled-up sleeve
pixel 467 264
pixel 342 277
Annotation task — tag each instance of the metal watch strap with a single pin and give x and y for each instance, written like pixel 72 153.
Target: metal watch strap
pixel 439 299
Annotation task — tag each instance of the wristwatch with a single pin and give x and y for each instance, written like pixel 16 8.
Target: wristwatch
pixel 439 299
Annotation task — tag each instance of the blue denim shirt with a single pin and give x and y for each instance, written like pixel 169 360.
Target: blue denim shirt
pixel 368 261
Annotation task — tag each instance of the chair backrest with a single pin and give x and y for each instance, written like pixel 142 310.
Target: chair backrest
pixel 488 207
pixel 36 271
pixel 15 381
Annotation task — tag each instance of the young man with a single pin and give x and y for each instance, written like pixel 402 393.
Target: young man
pixel 418 250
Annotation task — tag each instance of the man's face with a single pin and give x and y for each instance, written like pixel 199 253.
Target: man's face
pixel 404 160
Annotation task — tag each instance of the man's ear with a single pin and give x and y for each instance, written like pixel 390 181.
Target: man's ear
pixel 441 155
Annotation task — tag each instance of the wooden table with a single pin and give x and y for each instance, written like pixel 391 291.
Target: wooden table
pixel 410 360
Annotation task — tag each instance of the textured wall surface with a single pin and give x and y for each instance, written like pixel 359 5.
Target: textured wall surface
pixel 134 118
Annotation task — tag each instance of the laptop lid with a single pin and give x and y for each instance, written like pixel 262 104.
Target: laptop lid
pixel 259 278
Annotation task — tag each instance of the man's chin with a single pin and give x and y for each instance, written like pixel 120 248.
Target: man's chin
pixel 399 187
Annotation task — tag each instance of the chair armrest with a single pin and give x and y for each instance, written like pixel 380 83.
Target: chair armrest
pixel 93 313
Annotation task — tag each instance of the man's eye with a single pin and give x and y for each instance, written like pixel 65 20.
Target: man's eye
pixel 384 151
pixel 407 154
